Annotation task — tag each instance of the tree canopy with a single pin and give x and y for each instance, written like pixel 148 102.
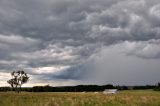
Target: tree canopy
pixel 18 79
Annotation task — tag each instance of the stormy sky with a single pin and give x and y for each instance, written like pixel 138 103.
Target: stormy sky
pixel 72 42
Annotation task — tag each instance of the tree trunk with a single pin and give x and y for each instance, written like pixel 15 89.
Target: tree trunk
pixel 17 90
pixel 20 88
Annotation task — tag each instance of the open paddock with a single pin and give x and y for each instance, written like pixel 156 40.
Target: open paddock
pixel 122 98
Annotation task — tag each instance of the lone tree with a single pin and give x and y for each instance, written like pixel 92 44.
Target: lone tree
pixel 18 79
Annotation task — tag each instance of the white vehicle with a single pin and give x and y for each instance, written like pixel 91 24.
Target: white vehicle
pixel 110 91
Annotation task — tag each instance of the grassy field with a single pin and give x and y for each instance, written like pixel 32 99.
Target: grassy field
pixel 123 98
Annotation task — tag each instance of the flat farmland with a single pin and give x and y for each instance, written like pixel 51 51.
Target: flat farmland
pixel 123 98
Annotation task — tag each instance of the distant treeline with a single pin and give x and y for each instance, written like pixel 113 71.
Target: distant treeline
pixel 81 88
pixel 157 88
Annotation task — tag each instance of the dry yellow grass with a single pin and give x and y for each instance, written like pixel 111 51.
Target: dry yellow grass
pixel 123 98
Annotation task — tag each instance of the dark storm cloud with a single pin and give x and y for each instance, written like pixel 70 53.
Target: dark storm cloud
pixel 38 33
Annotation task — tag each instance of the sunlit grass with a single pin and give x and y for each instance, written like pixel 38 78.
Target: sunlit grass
pixel 123 98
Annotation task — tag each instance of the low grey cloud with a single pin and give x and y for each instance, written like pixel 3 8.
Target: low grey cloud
pixel 144 49
pixel 57 39
pixel 113 65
